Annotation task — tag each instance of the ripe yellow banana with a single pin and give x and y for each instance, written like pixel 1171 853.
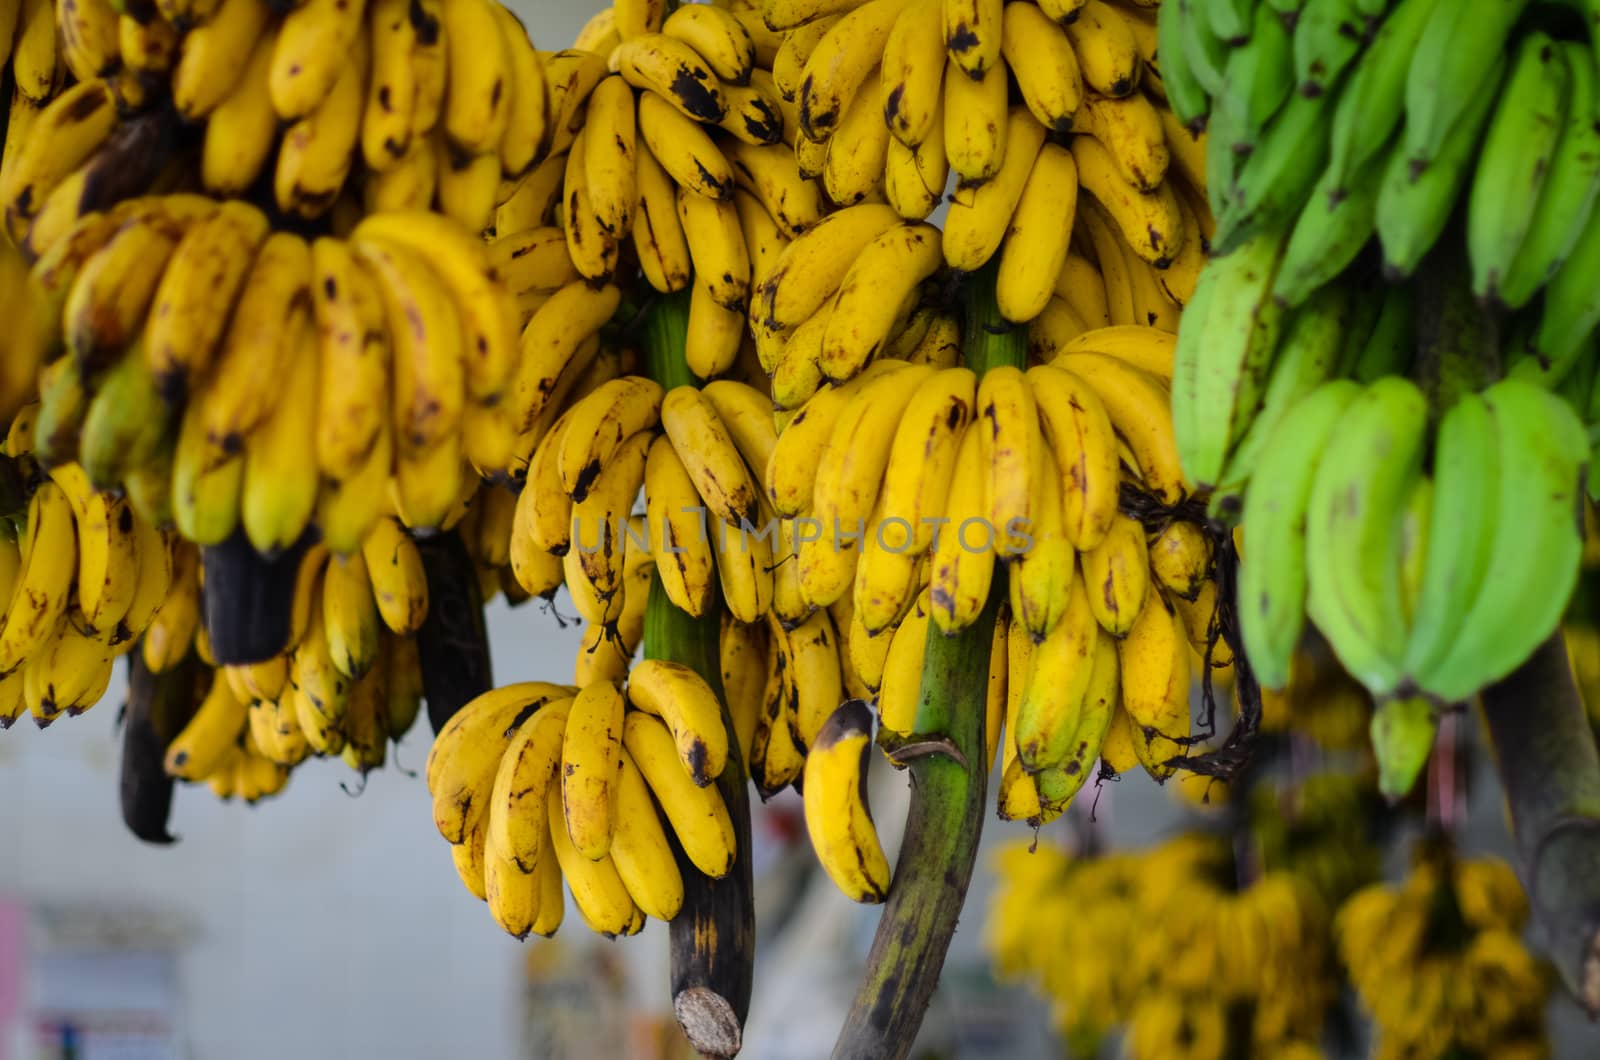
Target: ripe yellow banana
pixel 840 63
pixel 602 898
pixel 525 779
pixel 469 751
pixel 1056 680
pixel 353 340
pixel 1045 67
pixel 744 568
pixel 399 585
pixel 50 561
pixel 600 528
pixel 591 767
pixel 1155 685
pixel 169 635
pixel 609 166
pixel 673 72
pixel 212 57
pixel 715 332
pixel 1108 53
pixel 639 848
pixel 391 86
pixel 885 274
pixel 1148 220
pixel 963 554
pixel 593 248
pixel 551 342
pixel 280 467
pixel 313 49
pixel 1080 434
pixel 975 136
pixel 912 74
pixel 682 699
pixel 838 816
pixel 527 122
pixel 980 214
pixel 1042 574
pixel 698 815
pixel 318 149
pixel 1138 404
pixel 708 454
pixel 678 528
pixel 717 247
pixel 658 236
pixel 813 266
pixel 241 128
pixel 900 689
pixel 350 616
pixel 914 177
pixel 810 654
pixel 858 148
pixel 1117 571
pixel 210 736
pixel 35 58
pixel 409 183
pixel 1038 237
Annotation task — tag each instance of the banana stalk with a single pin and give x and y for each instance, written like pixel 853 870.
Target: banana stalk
pixel 949 778
pixel 248 599
pixel 1545 754
pixel 159 706
pixel 453 643
pixel 1458 350
pixel 713 938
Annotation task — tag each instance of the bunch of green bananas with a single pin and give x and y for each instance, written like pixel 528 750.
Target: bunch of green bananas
pixel 537 782
pixel 1173 956
pixel 1438 960
pixel 1335 119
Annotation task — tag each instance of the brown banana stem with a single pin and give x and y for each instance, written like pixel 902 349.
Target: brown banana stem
pixel 1549 769
pixel 453 643
pixel 248 598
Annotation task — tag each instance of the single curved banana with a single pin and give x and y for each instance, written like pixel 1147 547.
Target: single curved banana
pixel 718 37
pixel 1080 434
pixel 1155 686
pixel 912 75
pixel 673 72
pixel 591 768
pixel 975 134
pixel 698 815
pixel 900 687
pixel 280 466
pixel 640 849
pixel 242 129
pixel 1044 66
pixel 50 562
pixel 717 248
pixel 838 817
pixel 709 455
pixel 840 63
pixel 210 735
pixel 318 149
pixel 212 56
pixel 980 214
pixel 677 526
pixel 963 561
pixel 1039 235
pixel 469 751
pixel 884 275
pixel 682 699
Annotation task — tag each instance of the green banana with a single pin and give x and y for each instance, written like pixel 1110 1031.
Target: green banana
pixel 1459 48
pixel 1328 35
pixel 1306 357
pixel 1537 543
pixel 126 423
pixel 1515 160
pixel 1392 344
pixel 1224 354
pixel 1227 146
pixel 1206 54
pixel 1276 179
pixel 1272 579
pixel 1260 72
pixel 1568 195
pixel 1231 20
pixel 1187 96
pixel 1415 204
pixel 1372 101
pixel 1353 525
pixel 1335 224
pixel 1466 483
pixel 1571 308
pixel 1402 731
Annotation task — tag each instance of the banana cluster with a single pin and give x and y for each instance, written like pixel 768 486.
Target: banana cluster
pixel 895 98
pixel 1319 828
pixel 83 578
pixel 1174 957
pixel 1439 963
pixel 1331 124
pixel 347 682
pixel 1391 563
pixel 534 783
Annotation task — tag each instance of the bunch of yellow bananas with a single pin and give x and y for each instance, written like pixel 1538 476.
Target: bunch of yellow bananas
pixel 537 782
pixel 1171 950
pixel 1321 701
pixel 435 103
pixel 82 578
pixel 1438 960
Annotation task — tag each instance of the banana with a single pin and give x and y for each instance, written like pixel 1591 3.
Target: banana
pixel 976 139
pixel 812 267
pixel 209 737
pixel 838 817
pixel 717 248
pixel 1371 103
pixel 883 276
pixel 972 34
pixel 89 38
pixel 914 177
pixel 698 815
pixel 1415 205
pixel 962 565
pixel 350 616
pixel 1460 47
pixel 840 63
pixel 900 687
pixel 570 76
pixel 50 561
pixel 768 173
pixel 718 37
pixel 592 247
pixel 1101 702
pixel 525 779
pixel 1008 446
pixel 35 56
pixel 1079 434
pixel 1329 233
pixel 810 655
pixel 633 18
pixel 744 567
pixel 709 456
pixel 591 768
pixel 1571 309
pixel 324 693
pixel 1041 58
pixel 1054 682
pixel 241 127
pixel 317 150
pixel 64 135
pixel 674 72
pixel 912 74
pixel 601 896
pixel 467 186
pixel 313 46
pixel 1040 574
pixel 600 425
pixel 1039 235
pixel 1568 192
pixel 354 360
pixel 553 340
pixel 980 214
pixel 1541 447
pixel 393 85
pixel 1135 400
pixel 152 582
pixel 681 698
pixel 676 518
pixel 527 116
pixel 1260 72
pixel 409 183
pixel 1352 549
pixel 743 652
pixel 212 56
pixel 399 584
pixel 110 298
pixel 599 522
pixel 1518 147
pixel 107 554
pixel 1149 221
pixel 126 425
pixel 1018 796
pixel 1108 54
pixel 366 736
pixel 1328 35
pixel 280 470
pixel 1117 572
pixel 1227 368
pixel 471 749
pixel 170 633
pixel 1274 181
pixel 857 149
pixel 607 159
pixel 640 848
pixel 1154 679
pixel 683 149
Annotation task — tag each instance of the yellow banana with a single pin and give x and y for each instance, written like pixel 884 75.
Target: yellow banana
pixel 1056 679
pixel 570 76
pixel 313 49
pixel 1130 129
pixel 709 456
pixel 1107 51
pixel 975 136
pixel 1155 685
pixel 1041 575
pixel 633 18
pixel 348 508
pixel 525 779
pixel 591 767
pixel 470 751
pixel 466 186
pixel 592 247
pixel 88 37
pixel 212 57
pixel 883 277
pixel 673 72
pixel 744 568
pixel 717 248
pixel 1080 434
pixel 50 561
pixel 754 113
pixel 408 183
pixel 550 342
pixel 912 74
pixel 601 896
pixel 813 266
pixel 640 849
pixel 791 471
pixel 715 332
pixel 1148 220
pixel 600 520
pixel 963 562
pixel 914 177
pixel 1018 795
pixel 350 616
pixel 318 149
pixel 901 687
pixel 210 736
pixel 838 817
pixel 677 526
pixel 394 567
pixel 980 214
pixel 742 651
pixel 717 37
pixel 35 57
pixel 1041 59
pixel 840 63
pixel 353 342
pixel 1039 235
pixel 109 301
pixel 1180 558
pixel 1080 285
pixel 1138 404
pixel 658 236
pixel 776 757
pixel 858 148
pixel 698 815
pixel 811 654
pixel 280 467
pixel 609 165
pixel 681 698
pixel 1008 447
pixel 1117 571
pixel 972 34
pixel 169 635
pixel 1101 701
pixel 392 85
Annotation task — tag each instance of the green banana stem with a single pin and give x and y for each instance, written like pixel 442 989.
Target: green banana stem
pixel 989 340
pixel 949 779
pixel 1548 766
pixel 1457 342
pixel 948 789
pixel 713 940
pixel 664 334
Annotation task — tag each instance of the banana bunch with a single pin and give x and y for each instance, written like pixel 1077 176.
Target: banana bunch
pixel 83 578
pixel 348 680
pixel 939 74
pixel 1172 949
pixel 1328 125
pixel 1344 525
pixel 1319 828
pixel 218 749
pixel 537 782
pixel 1438 961
pixel 185 319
